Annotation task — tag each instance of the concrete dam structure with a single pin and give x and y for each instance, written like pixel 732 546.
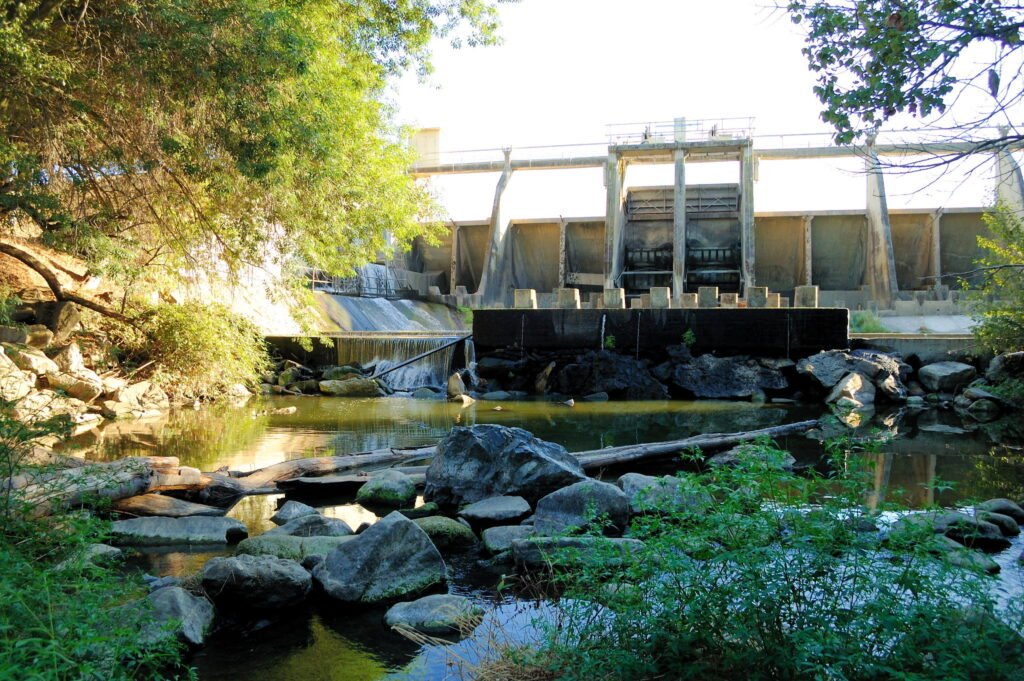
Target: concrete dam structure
pixel 686 236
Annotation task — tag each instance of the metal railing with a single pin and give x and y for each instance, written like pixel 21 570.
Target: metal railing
pixel 392 285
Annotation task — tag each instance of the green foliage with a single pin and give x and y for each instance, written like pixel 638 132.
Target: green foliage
pixel 775 577
pixel 9 302
pixel 865 321
pixel 875 59
pixel 689 338
pixel 467 315
pixel 609 342
pixel 999 301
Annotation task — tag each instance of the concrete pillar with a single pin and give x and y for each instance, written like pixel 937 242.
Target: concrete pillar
pixel 1009 181
pixel 454 262
pixel 614 299
pixel 773 300
pixel 687 300
pixel 568 298
pixel 525 299
pixel 496 266
pixel 562 224
pixel 614 220
pixel 661 297
pixel 937 247
pixel 707 296
pixel 881 263
pixel 747 215
pixel 637 304
pixel 808 250
pixel 462 296
pixel 806 296
pixel 729 300
pixel 757 296
pixel 679 222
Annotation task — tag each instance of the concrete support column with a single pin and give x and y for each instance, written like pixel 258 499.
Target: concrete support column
pixel 496 265
pixel 808 250
pixel 568 298
pixel 937 247
pixel 614 220
pixel 881 265
pixel 525 299
pixel 455 256
pixel 1009 181
pixel 562 224
pixel 679 223
pixel 747 215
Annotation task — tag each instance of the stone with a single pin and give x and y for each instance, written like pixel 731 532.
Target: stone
pixel 478 462
pixel 422 511
pixel 687 300
pixel 46 404
pixel 171 606
pixel 946 377
pixel 567 298
pixel 309 386
pixel 388 488
pixel 965 529
pixel 38 336
pixel 579 504
pixel 340 373
pixel 757 296
pixel 353 387
pixel 595 397
pixel 65 320
pixel 1007 525
pixel 746 452
pixel 314 525
pixel 93 554
pixel 85 385
pixel 661 297
pixel 496 396
pixel 456 387
pixel 13 334
pixel 290 375
pixel 256 582
pixel 499 539
pixel 854 387
pixel 707 296
pixel 614 299
pixel 424 393
pixel 1004 367
pixel 391 559
pixel 436 615
pixel 648 493
pixel 160 531
pixel 447 534
pixel 956 554
pixel 496 511
pixel 983 410
pixel 70 360
pixel 915 401
pixel 14 383
pixel 710 377
pixel 289 546
pixel 143 395
pixel 30 359
pixel 620 376
pixel 524 299
pixel 1004 507
pixel 540 552
pixel 891 388
pixel 805 296
pixel 290 511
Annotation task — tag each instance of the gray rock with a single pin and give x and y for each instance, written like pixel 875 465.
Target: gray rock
pixel 965 529
pixel 1004 367
pixel 31 359
pixel 1007 525
pixel 496 396
pixel 312 526
pixel 1003 506
pixel 983 410
pixel 425 393
pixel 191 616
pixel 161 531
pixel 617 375
pixel 93 554
pixel 339 373
pixel 485 461
pixel 496 510
pixel 291 547
pixel 535 552
pixel 456 387
pixel 256 582
pixel 499 539
pixel 711 377
pixel 447 534
pixel 595 397
pixel 577 505
pixel 649 493
pixel 85 385
pixel 290 511
pixel 389 488
pixel 741 453
pixel 946 377
pixel 855 387
pixel 957 554
pixel 353 387
pixel 391 559
pixel 436 615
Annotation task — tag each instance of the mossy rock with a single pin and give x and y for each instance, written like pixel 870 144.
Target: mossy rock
pixel 447 534
pixel 388 488
pixel 287 546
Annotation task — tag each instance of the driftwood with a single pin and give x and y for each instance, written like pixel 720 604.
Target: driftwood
pixel 328 465
pixel 347 484
pixel 163 505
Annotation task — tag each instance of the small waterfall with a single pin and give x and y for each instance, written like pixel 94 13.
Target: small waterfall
pixel 604 318
pixel 470 357
pixel 382 352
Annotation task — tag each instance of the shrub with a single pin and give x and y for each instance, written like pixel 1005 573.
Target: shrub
pixel 865 321
pixel 999 300
pixel 9 302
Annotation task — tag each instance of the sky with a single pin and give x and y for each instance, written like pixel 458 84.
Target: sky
pixel 569 68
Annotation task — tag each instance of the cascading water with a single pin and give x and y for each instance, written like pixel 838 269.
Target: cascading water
pixel 604 318
pixel 470 357
pixel 382 352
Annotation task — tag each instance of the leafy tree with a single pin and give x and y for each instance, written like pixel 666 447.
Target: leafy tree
pixel 876 59
pixel 1000 299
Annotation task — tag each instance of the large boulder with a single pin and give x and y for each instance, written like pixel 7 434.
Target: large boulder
pixel 355 386
pixel 388 488
pixel 946 377
pixel 1005 367
pixel 340 373
pixel 538 552
pixel 160 531
pixel 1003 506
pixel 391 559
pixel 45 404
pixel 886 373
pixel 290 511
pixel 84 385
pixel 484 461
pixel 290 546
pixel 578 505
pixel 447 534
pixel 31 359
pixel 496 511
pixel 853 387
pixel 620 376
pixel 710 377
pixel 647 493
pixel 255 582
pixel 312 526
pixel 189 617
pixel 435 615
pixel 70 359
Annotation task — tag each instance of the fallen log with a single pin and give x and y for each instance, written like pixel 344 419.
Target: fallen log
pixel 163 505
pixel 346 484
pixel 599 458
pixel 328 465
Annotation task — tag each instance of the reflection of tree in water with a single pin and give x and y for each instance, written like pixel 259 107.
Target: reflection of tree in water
pixel 1000 474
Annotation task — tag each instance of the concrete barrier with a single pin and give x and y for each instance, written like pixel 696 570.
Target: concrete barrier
pixel 614 299
pixel 707 296
pixel 728 299
pixel 525 299
pixel 805 296
pixel 757 296
pixel 661 297
pixel 773 300
pixel 687 300
pixel 567 298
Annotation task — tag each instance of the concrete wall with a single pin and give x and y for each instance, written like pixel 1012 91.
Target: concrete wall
pixel 958 237
pixel 912 249
pixel 436 258
pixel 839 251
pixel 471 246
pixel 584 252
pixel 535 255
pixel 780 253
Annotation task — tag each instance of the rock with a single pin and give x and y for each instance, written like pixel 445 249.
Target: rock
pixel 946 377
pixel 1005 367
pixel 13 334
pixel 542 380
pixel 956 554
pixel 120 410
pixel 290 375
pixel 577 506
pixel 284 411
pixel 93 554
pixel 536 552
pixel 1004 507
pixel 389 488
pixel 85 385
pixel 45 404
pixel 710 377
pixel 339 373
pixel 595 397
pixel 391 559
pixel 456 387
pixel 485 461
pixel 14 383
pixel 464 400
pixel 171 606
pixel 983 410
pixel 309 386
pixel 496 511
pixel 38 336
pixel 354 387
pixel 619 376
pixel 1007 525
pixel 829 367
pixel 965 529
pixel 496 396
pixel 423 511
pixel 916 402
pixel 855 387
pixel 31 359
pixel 160 531
pixel 891 388
pixel 312 526
pixel 425 393
pixel 496 367
pixel 144 396
pixel 436 615
pixel 746 452
pixel 447 534
pixel 649 493
pixel 289 546
pixel 256 582
pixel 292 510
pixel 499 539
pixel 70 360
pixel 65 319
pixel 163 505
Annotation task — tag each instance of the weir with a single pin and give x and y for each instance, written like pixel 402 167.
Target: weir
pixel 384 351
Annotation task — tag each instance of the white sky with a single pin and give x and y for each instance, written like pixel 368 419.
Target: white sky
pixel 567 68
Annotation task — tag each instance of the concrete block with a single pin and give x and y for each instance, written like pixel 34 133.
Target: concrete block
pixel 707 296
pixel 661 297
pixel 567 298
pixel 461 291
pixel 614 299
pixel 757 296
pixel 434 291
pixel 687 300
pixel 636 304
pixel 525 299
pixel 645 301
pixel 729 299
pixel 806 296
pixel 785 302
pixel 773 300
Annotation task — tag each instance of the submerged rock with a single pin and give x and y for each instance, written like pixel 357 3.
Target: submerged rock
pixel 389 488
pixel 436 615
pixel 485 461
pixel 190 616
pixel 578 505
pixel 161 531
pixel 256 582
